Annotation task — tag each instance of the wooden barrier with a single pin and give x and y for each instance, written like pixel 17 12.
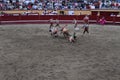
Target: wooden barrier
pixel 94 17
pixel 19 17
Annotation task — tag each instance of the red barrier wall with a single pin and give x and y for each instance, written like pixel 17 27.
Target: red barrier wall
pixel 94 17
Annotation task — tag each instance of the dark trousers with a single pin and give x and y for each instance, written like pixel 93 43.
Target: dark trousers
pixel 86 30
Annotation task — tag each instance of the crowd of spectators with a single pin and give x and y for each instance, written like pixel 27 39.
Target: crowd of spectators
pixel 57 4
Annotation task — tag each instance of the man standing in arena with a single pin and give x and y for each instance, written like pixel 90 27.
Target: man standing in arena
pixel 75 23
pixel 86 19
pixel 57 23
pixel 86 24
pixel 86 28
pixel 102 21
pixel 51 24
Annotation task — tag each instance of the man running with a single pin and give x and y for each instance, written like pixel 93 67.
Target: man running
pixel 65 31
pixel 54 31
pixel 73 37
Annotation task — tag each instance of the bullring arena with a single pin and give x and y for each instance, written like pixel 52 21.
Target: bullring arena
pixel 29 52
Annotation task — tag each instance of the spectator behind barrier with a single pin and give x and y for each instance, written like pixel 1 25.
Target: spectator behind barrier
pixel 57 5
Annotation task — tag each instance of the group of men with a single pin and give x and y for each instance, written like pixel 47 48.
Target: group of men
pixel 54 29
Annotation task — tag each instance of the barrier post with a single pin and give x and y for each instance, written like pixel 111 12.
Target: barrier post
pixel 38 16
pixel 114 19
pixel 0 19
pixel 19 16
pixel 98 15
pixel 113 16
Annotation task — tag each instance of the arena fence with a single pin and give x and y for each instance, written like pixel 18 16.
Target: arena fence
pixel 17 18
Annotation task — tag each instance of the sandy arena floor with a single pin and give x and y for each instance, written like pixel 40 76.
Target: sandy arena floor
pixel 28 52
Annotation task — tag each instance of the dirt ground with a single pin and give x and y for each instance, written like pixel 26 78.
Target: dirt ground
pixel 28 52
